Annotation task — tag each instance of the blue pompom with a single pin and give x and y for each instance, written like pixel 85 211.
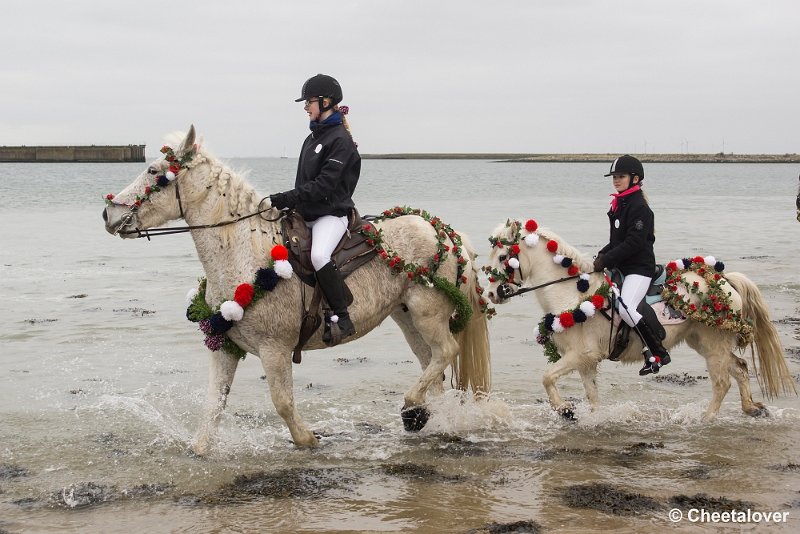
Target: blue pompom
pixel 583 285
pixel 509 269
pixel 687 262
pixel 548 322
pixel 266 279
pixel 566 262
pixel 579 316
pixel 719 266
pixel 219 324
pixel 162 181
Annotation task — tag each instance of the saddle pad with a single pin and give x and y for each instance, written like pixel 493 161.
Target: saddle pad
pixel 666 314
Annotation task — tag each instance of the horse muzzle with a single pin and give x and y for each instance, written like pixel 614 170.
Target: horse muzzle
pixel 503 293
pixel 119 218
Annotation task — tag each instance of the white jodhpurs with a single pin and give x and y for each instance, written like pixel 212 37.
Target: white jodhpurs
pixel 634 288
pixel 326 232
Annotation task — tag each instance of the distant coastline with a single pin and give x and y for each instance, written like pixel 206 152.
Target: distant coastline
pixel 68 154
pixel 597 158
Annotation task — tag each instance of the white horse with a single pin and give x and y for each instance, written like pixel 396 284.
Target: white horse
pixel 539 258
pixel 205 193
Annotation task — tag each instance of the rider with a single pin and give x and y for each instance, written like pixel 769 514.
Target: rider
pixel 327 174
pixel 630 249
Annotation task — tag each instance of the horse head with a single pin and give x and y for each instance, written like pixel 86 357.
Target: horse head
pixel 504 263
pixel 160 193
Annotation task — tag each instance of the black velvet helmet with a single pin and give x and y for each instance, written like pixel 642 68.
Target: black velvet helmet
pixel 627 165
pixel 321 85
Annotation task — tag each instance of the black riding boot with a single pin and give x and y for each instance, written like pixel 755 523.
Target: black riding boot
pixel 339 297
pixel 657 356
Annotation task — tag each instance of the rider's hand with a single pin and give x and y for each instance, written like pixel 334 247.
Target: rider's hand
pixel 598 263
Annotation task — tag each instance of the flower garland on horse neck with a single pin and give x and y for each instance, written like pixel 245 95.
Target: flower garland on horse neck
pixel 176 164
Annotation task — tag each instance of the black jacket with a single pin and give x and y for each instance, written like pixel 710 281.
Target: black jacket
pixel 327 174
pixel 630 246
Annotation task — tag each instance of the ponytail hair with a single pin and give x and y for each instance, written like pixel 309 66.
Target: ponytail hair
pixel 343 111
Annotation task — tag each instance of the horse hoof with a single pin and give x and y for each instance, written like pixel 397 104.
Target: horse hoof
pixel 568 414
pixel 759 411
pixel 414 419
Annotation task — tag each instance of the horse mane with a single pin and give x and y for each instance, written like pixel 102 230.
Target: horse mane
pixel 505 231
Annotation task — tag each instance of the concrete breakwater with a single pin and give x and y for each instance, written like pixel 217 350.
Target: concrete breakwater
pixel 598 158
pixel 90 153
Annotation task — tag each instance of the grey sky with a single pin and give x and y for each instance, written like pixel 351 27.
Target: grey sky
pixel 419 76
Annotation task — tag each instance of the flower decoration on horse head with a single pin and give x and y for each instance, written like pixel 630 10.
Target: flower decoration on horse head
pixel 529 234
pixel 175 164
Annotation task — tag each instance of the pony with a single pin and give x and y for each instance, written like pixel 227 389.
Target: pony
pixel 233 237
pixel 525 258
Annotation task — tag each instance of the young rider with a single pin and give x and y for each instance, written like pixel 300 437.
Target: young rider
pixel 327 174
pixel 630 249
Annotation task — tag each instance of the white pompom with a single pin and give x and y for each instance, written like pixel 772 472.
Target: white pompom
pixel 531 239
pixel 170 175
pixel 558 258
pixel 710 260
pixel 585 276
pixel 557 326
pixel 231 310
pixel 283 269
pixel 680 264
pixel 587 308
pixel 334 318
pixel 513 263
pixel 191 295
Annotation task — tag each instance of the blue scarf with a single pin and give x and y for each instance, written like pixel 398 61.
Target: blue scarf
pixel 333 120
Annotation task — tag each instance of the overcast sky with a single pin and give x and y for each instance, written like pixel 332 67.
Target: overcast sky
pixel 419 75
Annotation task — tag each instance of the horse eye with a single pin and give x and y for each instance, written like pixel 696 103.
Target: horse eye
pixel 153 171
pixel 502 258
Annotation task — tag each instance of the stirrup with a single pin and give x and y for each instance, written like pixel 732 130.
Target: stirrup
pixel 337 328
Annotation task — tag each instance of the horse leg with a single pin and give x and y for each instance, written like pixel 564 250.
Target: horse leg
pixel 589 377
pixel 222 366
pixel 277 364
pixel 418 346
pixel 738 370
pixel 718 364
pixel 562 367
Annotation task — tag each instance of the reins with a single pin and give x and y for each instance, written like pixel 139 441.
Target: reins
pixel 183 229
pixel 534 288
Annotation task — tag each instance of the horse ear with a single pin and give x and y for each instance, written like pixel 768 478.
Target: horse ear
pixel 188 143
pixel 514 227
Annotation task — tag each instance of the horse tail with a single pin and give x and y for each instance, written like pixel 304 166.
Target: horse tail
pixel 773 376
pixel 472 367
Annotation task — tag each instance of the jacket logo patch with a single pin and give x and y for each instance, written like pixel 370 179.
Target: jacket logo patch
pixel 318 148
pixel 616 223
pixel 639 225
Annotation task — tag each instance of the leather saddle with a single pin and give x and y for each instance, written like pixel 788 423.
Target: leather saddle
pixel 352 252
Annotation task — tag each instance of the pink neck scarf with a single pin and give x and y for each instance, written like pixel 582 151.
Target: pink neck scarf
pixel 625 193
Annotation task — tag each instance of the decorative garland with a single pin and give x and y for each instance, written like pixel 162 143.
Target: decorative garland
pixel 554 324
pixel 175 166
pixel 426 275
pixel 714 307
pixel 531 239
pixel 215 323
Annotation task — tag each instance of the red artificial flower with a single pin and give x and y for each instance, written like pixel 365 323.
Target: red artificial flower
pixel 463 279
pixel 170 158
pixel 175 169
pixel 110 196
pixel 717 306
pixel 137 203
pixel 598 301
pixel 410 276
pixel 531 226
pixel 436 258
pixel 279 252
pixel 386 213
pixel 165 149
pixel 367 227
pixel 696 284
pixel 384 255
pixel 692 307
pixel 717 277
pixel 573 270
pixel 552 245
pixel 492 279
pixel 244 295
pixel 498 244
pixel 701 271
pixel 147 190
pixel 566 319
pixel 515 249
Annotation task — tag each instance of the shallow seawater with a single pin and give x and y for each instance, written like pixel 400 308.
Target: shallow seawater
pixel 104 379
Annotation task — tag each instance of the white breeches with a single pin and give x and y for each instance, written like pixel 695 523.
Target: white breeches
pixel 326 232
pixel 634 288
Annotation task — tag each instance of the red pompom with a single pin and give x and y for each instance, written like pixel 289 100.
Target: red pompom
pixel 515 249
pixel 566 319
pixel 279 252
pixel 243 295
pixel 531 226
pixel 552 245
pixel 672 266
pixel 598 301
pixel 698 259
pixel 573 270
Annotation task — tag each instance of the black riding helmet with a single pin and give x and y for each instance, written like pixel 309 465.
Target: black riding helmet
pixel 321 86
pixel 627 165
